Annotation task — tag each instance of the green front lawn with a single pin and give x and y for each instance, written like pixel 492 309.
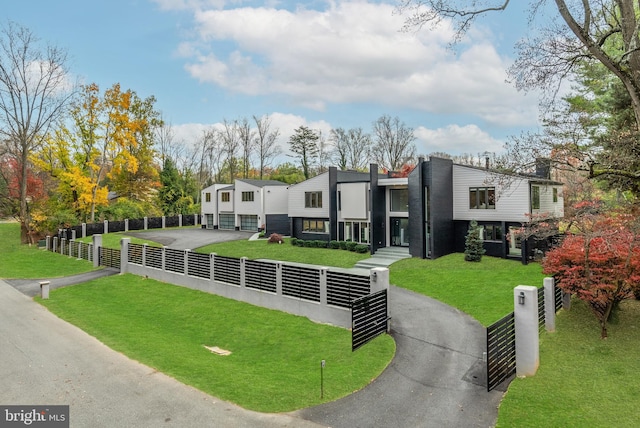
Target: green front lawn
pixel 112 240
pixel 483 290
pixel 275 358
pixel 23 261
pixel 261 249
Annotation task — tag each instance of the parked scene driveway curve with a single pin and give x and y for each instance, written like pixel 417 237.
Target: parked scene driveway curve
pixel 436 378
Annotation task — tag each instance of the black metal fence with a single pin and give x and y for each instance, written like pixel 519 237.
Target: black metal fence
pixel 226 269
pixel 133 224
pixel 343 288
pixel 109 257
pixel 501 351
pixel 369 318
pixel 301 282
pixel 260 275
pixel 541 317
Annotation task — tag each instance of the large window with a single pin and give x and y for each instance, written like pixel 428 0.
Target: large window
pixel 315 226
pixel 313 199
pixel 247 196
pixel 356 231
pixel 535 197
pixel 399 200
pixel 225 197
pixel 482 198
pixel 207 197
pixel 555 194
pixel 226 221
pixel 491 232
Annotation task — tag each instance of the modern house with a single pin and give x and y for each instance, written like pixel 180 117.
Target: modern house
pixel 427 212
pixel 249 205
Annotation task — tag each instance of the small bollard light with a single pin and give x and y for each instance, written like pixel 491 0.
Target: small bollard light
pixel 521 298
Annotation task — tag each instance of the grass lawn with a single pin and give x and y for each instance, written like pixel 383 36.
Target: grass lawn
pixel 483 290
pixel 275 360
pixel 583 381
pixel 261 249
pixel 23 261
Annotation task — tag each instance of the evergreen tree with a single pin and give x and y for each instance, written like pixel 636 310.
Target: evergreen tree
pixel 304 143
pixel 473 249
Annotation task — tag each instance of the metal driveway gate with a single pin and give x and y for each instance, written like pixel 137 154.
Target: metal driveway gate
pixel 501 351
pixel 368 318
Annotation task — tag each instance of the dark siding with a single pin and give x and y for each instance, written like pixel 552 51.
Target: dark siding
pixel 377 197
pixel 333 203
pixel 440 182
pixel 277 223
pixel 296 230
pixel 416 210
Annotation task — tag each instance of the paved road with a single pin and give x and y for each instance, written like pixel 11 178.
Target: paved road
pixel 44 360
pixel 183 239
pixel 436 378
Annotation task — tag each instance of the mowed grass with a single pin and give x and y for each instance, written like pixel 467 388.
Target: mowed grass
pixel 483 290
pixel 275 360
pixel 112 240
pixel 583 381
pixel 261 249
pixel 24 261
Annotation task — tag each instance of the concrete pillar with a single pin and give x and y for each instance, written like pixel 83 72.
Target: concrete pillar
pixel 126 224
pixel 379 279
pixel 243 274
pixel 549 304
pixel 124 254
pixel 323 286
pixel 179 220
pixel 48 242
pixel 106 226
pixel 146 223
pixel 144 254
pixel 97 243
pixel 186 262
pixel 63 245
pixel 164 257
pixel 212 257
pixel 84 230
pixel 44 289
pixel 279 279
pixel 73 234
pixel 55 244
pixel 163 221
pixel 525 302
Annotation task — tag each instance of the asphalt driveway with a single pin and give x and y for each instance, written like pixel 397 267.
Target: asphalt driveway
pixel 190 239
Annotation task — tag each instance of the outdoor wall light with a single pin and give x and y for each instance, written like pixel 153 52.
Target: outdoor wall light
pixel 521 298
pixel 375 276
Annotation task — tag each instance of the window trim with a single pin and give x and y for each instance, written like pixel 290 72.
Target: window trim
pixel 313 199
pixel 225 196
pixel 488 194
pixel 207 197
pixel 248 196
pixel 535 197
pixel 306 225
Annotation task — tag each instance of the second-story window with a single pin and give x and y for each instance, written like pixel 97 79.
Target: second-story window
pixel 313 199
pixel 247 196
pixel 207 197
pixel 225 197
pixel 482 198
pixel 535 197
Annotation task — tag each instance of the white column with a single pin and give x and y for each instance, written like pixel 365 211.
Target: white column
pixel 549 304
pixel 525 301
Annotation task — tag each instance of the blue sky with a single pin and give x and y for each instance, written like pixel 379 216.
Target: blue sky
pixel 323 64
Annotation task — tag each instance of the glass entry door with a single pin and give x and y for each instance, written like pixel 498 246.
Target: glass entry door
pixel 399 232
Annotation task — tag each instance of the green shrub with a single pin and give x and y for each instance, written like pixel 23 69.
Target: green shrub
pixel 310 243
pixel 343 245
pixel 294 241
pixel 334 245
pixel 321 244
pixel 361 248
pixel 351 246
pixel 301 243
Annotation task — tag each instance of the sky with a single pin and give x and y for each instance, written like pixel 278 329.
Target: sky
pixel 322 64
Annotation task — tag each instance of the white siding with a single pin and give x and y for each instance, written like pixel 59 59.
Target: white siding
pixel 213 206
pixel 276 199
pixel 319 183
pixel 512 199
pixel 353 201
pixel 225 207
pixel 248 207
pixel 547 206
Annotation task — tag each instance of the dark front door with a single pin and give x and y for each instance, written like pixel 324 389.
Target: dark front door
pixel 399 232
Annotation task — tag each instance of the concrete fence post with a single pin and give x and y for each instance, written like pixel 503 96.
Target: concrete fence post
pixel 243 272
pixel 48 242
pixel 164 257
pixel 179 220
pixel 164 219
pixel 146 223
pixel 323 286
pixel 97 243
pixel 73 234
pixel 549 304
pixel 126 224
pixel 106 227
pixel 44 289
pixel 186 262
pixel 279 279
pixel 379 279
pixel 124 254
pixel 63 245
pixel 212 266
pixel 84 230
pixel 525 302
pixel 55 244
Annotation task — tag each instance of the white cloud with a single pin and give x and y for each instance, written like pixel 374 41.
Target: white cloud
pixel 455 140
pixel 351 52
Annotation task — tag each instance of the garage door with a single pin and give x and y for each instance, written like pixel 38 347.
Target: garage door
pixel 226 221
pixel 249 222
